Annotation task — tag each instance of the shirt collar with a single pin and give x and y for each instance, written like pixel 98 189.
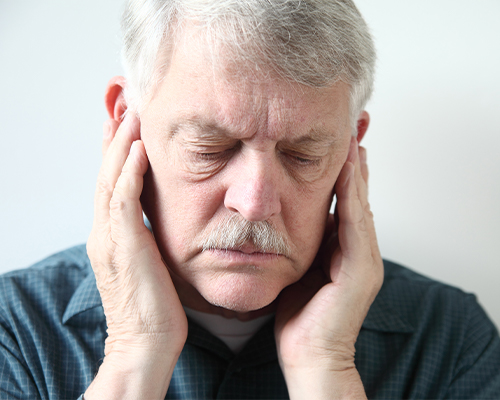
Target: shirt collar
pixel 86 297
pixel 260 349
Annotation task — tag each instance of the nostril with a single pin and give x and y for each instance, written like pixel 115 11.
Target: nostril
pixel 253 190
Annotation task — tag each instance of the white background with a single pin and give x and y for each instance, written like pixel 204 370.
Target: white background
pixel 432 147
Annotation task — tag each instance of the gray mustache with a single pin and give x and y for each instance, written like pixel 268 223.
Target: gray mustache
pixel 235 231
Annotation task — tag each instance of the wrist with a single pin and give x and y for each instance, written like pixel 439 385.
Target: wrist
pixel 133 375
pixel 323 383
pixel 144 345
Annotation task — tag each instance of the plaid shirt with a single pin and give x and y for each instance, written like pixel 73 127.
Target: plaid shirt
pixel 420 340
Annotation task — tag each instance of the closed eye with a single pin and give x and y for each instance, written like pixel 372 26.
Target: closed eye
pixel 209 156
pixel 215 155
pixel 302 160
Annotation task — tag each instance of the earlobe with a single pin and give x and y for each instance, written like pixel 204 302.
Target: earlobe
pixel 115 99
pixel 362 126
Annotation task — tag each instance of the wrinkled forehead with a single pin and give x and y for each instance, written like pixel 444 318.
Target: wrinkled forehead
pixel 211 102
pixel 234 94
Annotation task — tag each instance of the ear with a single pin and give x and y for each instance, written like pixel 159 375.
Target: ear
pixel 114 98
pixel 363 122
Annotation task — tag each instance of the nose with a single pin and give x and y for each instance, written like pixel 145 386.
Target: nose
pixel 253 190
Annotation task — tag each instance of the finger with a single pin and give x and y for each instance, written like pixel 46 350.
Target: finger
pixel 361 177
pixel 128 131
pixel 112 166
pixel 354 158
pixel 109 130
pixel 363 164
pixel 353 236
pixel 125 207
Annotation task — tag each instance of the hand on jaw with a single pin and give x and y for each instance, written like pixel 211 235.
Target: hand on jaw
pixel 319 318
pixel 147 326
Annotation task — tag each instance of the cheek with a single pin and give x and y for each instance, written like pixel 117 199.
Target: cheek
pixel 305 219
pixel 178 207
pixel 307 211
pixel 181 210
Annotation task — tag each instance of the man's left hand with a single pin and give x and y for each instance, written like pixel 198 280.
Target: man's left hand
pixel 319 318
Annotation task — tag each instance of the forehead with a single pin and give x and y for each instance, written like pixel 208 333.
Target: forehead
pixel 198 91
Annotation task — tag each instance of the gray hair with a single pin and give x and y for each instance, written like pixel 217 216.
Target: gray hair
pixel 233 232
pixel 312 42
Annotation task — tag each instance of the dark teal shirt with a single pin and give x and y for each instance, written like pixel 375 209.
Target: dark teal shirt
pixel 420 340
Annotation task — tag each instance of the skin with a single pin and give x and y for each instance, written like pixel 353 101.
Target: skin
pixel 269 151
pixel 265 149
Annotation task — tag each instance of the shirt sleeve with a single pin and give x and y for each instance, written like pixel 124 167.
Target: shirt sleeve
pixel 477 372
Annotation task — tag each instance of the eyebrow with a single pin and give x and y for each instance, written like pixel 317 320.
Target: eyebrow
pixel 317 137
pixel 204 128
pixel 207 129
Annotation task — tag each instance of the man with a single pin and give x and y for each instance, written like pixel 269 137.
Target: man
pixel 237 125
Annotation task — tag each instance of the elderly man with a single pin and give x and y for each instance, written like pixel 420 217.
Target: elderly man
pixel 237 125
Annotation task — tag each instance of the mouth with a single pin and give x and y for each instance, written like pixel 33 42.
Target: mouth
pixel 246 253
pixel 248 248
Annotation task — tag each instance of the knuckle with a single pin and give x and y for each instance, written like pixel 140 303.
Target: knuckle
pixel 100 247
pixel 129 185
pixel 121 208
pixel 359 220
pixel 103 186
pixel 117 205
pixel 367 211
pixel 128 167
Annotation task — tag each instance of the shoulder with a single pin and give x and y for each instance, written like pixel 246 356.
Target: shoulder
pixel 74 258
pixel 430 340
pixel 424 304
pixel 419 298
pixel 48 284
pixel 52 328
pixel 402 281
pixel 425 339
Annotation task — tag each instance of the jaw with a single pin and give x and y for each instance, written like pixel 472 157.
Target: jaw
pixel 242 289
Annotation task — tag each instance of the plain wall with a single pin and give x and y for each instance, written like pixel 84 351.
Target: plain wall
pixel 432 145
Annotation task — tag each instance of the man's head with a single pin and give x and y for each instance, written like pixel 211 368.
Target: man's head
pixel 246 113
pixel 314 42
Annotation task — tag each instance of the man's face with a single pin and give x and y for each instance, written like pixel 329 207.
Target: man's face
pixel 260 149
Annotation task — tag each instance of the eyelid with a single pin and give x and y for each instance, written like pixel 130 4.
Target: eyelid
pixel 209 156
pixel 211 153
pixel 301 159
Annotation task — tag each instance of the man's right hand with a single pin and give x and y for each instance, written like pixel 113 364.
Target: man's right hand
pixel 147 326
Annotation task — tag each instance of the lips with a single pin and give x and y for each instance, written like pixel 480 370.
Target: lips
pixel 248 248
pixel 244 254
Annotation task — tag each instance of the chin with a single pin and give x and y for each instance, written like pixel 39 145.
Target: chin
pixel 240 293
